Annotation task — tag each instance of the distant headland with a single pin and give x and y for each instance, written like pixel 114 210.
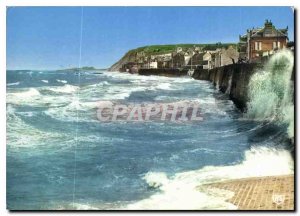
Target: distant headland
pixel 85 68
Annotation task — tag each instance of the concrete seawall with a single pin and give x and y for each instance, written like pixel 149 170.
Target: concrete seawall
pixel 163 72
pixel 230 79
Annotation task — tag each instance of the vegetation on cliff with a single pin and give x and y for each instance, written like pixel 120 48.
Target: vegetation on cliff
pixel 161 49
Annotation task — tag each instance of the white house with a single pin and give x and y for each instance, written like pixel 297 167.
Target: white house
pixel 153 64
pixel 225 56
pixel 178 49
pixel 207 59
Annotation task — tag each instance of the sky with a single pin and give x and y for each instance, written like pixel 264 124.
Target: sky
pixel 48 38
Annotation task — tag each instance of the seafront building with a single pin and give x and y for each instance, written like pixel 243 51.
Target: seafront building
pixel 260 42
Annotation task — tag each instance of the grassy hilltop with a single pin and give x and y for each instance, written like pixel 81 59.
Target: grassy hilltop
pixel 160 49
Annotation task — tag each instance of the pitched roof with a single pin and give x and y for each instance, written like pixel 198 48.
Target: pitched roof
pixel 268 30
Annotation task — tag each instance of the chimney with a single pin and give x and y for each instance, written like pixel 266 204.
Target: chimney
pixel 268 24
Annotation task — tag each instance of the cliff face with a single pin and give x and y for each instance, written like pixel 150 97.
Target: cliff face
pixel 130 56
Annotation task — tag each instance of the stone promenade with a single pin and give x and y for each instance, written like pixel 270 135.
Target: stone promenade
pixel 262 193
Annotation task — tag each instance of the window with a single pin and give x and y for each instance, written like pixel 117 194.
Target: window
pixel 276 44
pixel 257 46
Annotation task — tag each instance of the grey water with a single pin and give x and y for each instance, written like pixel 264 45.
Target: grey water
pixel 59 156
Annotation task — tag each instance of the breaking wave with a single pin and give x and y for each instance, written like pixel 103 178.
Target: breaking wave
pixel 271 92
pixel 29 93
pixel 64 89
pixel 62 81
pixel 186 190
pixel 13 84
pixel 21 134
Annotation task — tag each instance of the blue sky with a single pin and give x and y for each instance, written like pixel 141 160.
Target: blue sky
pixel 49 37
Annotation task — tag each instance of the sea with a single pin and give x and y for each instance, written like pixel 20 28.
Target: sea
pixel 61 157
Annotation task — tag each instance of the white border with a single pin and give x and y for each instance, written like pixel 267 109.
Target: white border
pixel 5 3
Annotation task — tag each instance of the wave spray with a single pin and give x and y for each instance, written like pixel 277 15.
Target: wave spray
pixel 271 92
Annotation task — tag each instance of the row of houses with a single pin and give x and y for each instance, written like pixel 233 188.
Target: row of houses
pixel 256 44
pixel 180 58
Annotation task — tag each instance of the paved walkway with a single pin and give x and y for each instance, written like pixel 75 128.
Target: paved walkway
pixel 262 193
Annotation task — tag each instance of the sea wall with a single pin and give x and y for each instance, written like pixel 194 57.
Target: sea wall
pixel 230 79
pixel 163 72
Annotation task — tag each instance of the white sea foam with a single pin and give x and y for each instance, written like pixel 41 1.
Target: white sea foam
pixel 13 84
pixel 164 86
pixel 120 92
pixel 29 93
pixel 80 206
pixel 156 179
pixel 69 113
pixel 271 91
pixel 210 105
pixel 23 96
pixel 138 78
pixel 23 135
pixel 143 83
pixel 104 83
pixel 88 206
pixel 184 80
pixel 185 191
pixel 62 81
pixel 64 89
pixel 33 97
pixel 45 81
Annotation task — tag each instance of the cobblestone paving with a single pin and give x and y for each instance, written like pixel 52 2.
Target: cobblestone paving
pixel 262 193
